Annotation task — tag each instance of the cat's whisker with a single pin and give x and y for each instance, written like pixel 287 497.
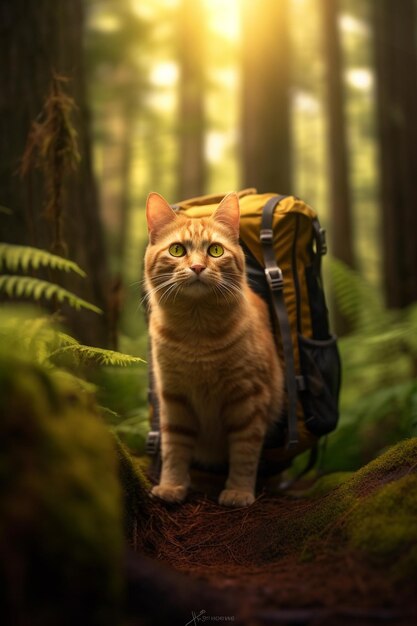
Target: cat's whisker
pixel 216 293
pixel 154 290
pixel 178 291
pixel 231 285
pixel 142 282
pixel 229 292
pixel 168 292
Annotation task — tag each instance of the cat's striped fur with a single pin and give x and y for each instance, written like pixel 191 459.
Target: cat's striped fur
pixel 217 374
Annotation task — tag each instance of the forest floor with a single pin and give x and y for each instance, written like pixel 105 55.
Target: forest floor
pixel 295 558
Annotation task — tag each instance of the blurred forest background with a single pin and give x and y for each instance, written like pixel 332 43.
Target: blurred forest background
pixel 102 101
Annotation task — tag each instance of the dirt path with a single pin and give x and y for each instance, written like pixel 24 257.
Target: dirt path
pixel 294 560
pixel 325 584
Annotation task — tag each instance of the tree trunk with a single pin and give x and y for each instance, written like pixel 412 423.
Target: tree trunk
pixel 38 38
pixel 266 75
pixel 396 73
pixel 340 213
pixel 340 197
pixel 192 169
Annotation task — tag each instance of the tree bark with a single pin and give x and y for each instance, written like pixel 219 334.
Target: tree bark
pixel 192 168
pixel 38 38
pixel 340 196
pixel 266 75
pixel 340 213
pixel 396 74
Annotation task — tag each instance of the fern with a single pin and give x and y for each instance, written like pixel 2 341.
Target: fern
pixel 359 301
pixel 25 336
pixel 100 356
pixel 25 333
pixel 28 287
pixel 63 339
pixel 15 257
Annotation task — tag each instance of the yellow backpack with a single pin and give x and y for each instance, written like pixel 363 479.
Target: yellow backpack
pixel 284 244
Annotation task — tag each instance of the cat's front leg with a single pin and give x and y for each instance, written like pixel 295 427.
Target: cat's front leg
pixel 178 435
pixel 244 452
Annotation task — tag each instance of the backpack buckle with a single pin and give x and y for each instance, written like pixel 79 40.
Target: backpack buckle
pixel 266 235
pixel 152 442
pixel 274 278
pixel 323 242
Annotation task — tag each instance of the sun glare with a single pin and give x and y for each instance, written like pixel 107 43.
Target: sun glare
pixel 106 23
pixel 223 17
pixel 164 74
pixel 360 78
pixel 350 24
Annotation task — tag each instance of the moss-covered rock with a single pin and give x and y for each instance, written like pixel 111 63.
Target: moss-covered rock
pixel 384 526
pixel 371 511
pixel 374 512
pixel 327 483
pixel 61 530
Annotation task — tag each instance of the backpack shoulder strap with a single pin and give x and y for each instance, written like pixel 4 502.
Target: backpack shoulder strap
pixel 276 284
pixel 153 439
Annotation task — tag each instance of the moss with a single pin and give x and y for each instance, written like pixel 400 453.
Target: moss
pixel 135 487
pixel 401 455
pixel 384 526
pixel 371 511
pixel 61 533
pixel 327 483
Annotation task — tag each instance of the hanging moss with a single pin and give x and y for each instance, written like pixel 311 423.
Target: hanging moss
pixel 61 533
pixel 52 147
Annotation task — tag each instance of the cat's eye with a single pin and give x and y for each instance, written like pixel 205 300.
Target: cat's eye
pixel 177 249
pixel 215 250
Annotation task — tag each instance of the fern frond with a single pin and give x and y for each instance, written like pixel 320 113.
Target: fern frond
pixel 357 299
pixel 100 356
pixel 28 287
pixel 64 339
pixel 15 257
pixel 5 210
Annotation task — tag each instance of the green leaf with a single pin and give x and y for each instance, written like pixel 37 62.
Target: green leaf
pixel 98 355
pixel 14 257
pixel 26 287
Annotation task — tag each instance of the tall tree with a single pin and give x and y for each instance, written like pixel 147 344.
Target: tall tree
pixel 39 38
pixel 191 36
pixel 340 196
pixel 396 74
pixel 266 81
pixel 340 213
pixel 118 78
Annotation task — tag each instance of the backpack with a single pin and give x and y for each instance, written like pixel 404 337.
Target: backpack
pixel 283 245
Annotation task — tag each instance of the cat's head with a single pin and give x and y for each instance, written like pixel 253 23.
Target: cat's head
pixel 193 258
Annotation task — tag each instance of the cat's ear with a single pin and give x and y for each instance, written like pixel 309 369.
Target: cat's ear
pixel 158 214
pixel 228 213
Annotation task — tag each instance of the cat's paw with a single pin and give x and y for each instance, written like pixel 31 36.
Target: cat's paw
pixel 232 497
pixel 170 493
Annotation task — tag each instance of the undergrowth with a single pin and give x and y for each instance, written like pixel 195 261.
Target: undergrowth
pixel 42 338
pixel 379 382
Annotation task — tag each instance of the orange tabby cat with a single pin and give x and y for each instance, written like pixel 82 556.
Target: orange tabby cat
pixel 217 375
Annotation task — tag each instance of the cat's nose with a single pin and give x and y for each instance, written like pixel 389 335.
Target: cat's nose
pixel 198 268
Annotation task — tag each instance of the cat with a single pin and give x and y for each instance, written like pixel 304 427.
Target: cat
pixel 217 374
